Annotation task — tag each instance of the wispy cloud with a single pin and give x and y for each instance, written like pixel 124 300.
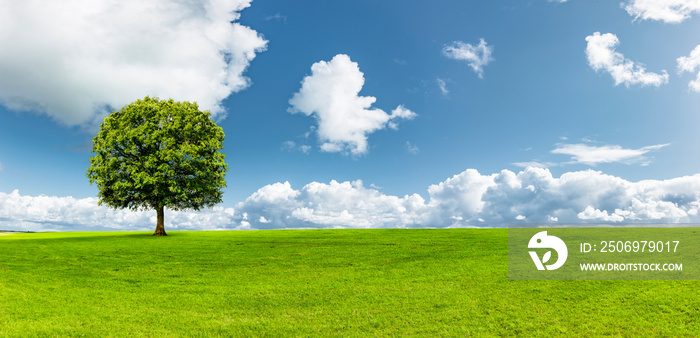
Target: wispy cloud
pixel 443 86
pixel 345 119
pixel 293 146
pixel 276 17
pixel 412 148
pixel 476 56
pixel 592 155
pixel 669 11
pixel 601 55
pixel 535 164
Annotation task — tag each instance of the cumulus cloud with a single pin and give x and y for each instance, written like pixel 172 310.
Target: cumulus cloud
pixel 601 55
pixel 345 119
pixel 594 214
pixel 669 11
pixel 476 56
pixel 473 199
pixel 689 64
pixel 535 194
pixel 592 155
pixel 458 200
pixel 320 205
pixel 75 59
pixel 463 200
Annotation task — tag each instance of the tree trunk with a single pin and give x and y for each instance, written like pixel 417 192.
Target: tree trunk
pixel 160 225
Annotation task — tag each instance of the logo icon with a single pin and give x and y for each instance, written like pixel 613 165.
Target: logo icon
pixel 541 241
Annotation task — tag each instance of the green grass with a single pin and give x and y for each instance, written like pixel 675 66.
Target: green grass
pixel 313 283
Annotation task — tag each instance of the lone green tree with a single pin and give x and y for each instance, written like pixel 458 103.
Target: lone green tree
pixel 154 154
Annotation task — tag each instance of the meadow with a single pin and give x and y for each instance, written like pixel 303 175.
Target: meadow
pixel 381 282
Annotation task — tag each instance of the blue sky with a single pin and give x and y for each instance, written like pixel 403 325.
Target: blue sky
pixel 620 103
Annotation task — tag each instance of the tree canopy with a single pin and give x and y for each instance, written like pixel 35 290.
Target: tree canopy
pixel 157 153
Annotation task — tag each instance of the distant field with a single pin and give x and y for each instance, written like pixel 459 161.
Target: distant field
pixel 312 283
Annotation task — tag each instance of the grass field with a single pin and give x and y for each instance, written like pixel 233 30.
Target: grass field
pixel 313 283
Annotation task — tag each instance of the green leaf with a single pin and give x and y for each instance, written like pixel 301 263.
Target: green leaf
pixel 156 152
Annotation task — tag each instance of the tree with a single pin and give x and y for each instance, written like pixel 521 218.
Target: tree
pixel 154 154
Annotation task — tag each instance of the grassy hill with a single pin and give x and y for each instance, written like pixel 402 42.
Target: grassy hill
pixel 312 282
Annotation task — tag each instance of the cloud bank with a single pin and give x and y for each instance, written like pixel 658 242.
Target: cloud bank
pixel 668 11
pixel 476 56
pixel 75 59
pixel 345 119
pixel 468 199
pixel 51 213
pixel 601 55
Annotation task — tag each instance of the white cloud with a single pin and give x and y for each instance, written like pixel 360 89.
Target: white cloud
pixel 466 199
pixel 50 213
pixel 319 205
pixel 695 84
pixel 443 86
pixel 594 214
pixel 592 155
pixel 689 64
pixel 476 56
pixel 345 119
pixel 74 59
pixel 669 11
pixel 535 194
pixel 601 55
pixel 472 199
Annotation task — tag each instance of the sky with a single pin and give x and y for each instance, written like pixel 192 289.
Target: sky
pixel 362 114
